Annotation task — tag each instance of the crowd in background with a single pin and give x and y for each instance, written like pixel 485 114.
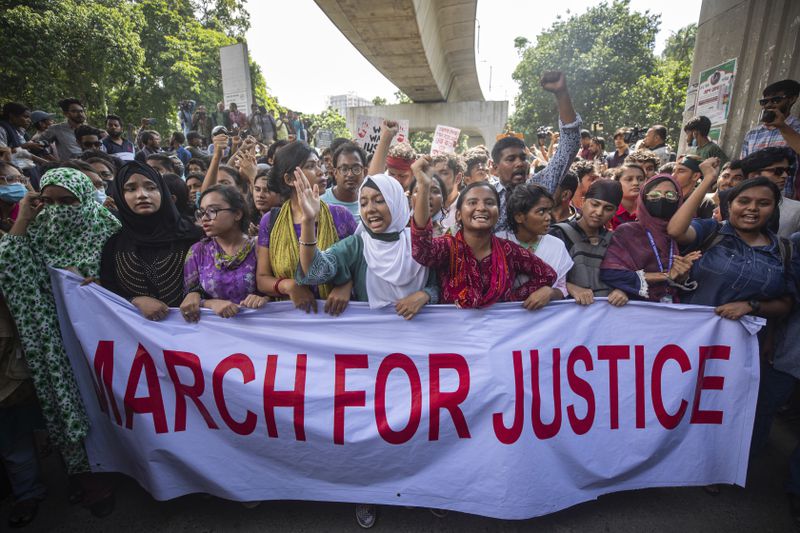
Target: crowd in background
pixel 237 209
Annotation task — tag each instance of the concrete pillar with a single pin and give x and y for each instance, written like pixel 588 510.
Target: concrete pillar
pixel 483 119
pixel 764 36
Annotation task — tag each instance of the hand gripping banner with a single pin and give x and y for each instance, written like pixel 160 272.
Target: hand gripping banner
pixel 499 412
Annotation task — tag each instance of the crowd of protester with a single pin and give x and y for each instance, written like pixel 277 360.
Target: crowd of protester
pixel 237 210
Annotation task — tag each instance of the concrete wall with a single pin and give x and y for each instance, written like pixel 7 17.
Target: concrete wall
pixel 764 36
pixel 476 119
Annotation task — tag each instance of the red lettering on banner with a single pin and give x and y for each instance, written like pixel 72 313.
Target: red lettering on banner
pixel 103 373
pixel 638 354
pixel 540 429
pixel 708 383
pixel 674 352
pixel 582 388
pixel 173 359
pixel 397 361
pixel 511 435
pixel 245 366
pixel 152 403
pixel 344 398
pixel 613 354
pixel 448 400
pixel 294 398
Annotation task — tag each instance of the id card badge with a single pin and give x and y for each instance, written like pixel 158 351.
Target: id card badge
pixel 667 299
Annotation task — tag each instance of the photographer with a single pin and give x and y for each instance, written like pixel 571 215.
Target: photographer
pixel 185 111
pixel 201 123
pixel 778 126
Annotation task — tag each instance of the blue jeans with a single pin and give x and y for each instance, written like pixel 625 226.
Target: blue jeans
pixel 774 391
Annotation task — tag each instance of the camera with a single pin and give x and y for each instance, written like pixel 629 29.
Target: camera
pixel 543 133
pixel 634 134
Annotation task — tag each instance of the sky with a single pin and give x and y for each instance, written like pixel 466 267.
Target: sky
pixel 305 58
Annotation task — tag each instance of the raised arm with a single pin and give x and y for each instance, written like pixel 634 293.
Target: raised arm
pixel 220 145
pixel 423 172
pixel 679 227
pixel 389 129
pixel 569 129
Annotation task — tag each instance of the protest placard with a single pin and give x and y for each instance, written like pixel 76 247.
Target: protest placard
pixel 368 132
pixel 445 140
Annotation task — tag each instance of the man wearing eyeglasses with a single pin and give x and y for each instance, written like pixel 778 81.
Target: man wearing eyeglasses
pixel 350 169
pixel 778 127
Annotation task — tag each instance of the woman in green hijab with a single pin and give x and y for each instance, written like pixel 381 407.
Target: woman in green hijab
pixel 61 227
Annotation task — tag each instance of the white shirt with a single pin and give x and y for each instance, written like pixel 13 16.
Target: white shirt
pixel 552 251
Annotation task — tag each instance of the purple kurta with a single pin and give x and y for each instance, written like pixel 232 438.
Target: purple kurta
pixel 215 274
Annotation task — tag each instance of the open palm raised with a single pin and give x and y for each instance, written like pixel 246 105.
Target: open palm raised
pixel 307 196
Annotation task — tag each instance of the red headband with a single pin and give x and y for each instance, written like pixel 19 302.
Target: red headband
pixel 399 163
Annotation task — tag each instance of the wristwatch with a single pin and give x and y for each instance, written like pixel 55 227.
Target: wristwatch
pixel 755 305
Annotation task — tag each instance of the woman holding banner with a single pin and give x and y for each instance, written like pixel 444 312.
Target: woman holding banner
pixel 63 227
pixel 144 261
pixel 475 268
pixel 220 270
pixel 279 231
pixel 642 259
pixel 377 258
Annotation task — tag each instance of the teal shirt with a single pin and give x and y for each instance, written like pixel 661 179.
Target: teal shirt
pixel 344 261
pixel 329 198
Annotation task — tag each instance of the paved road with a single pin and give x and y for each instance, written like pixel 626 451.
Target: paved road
pixel 761 507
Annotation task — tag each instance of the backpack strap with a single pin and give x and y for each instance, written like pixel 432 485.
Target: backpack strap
pixel 570 232
pixel 713 239
pixel 785 246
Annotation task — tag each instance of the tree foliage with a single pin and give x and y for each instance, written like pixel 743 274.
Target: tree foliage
pixel 133 58
pixel 613 75
pixel 330 119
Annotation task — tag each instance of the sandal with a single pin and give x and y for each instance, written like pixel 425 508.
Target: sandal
pixel 22 513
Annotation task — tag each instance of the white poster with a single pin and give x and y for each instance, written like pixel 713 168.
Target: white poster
pixel 445 140
pixel 236 85
pixel 368 132
pixel 714 92
pixel 499 412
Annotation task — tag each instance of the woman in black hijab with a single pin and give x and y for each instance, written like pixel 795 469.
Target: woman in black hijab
pixel 143 262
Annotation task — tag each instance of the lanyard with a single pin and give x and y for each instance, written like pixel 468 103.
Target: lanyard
pixel 658 257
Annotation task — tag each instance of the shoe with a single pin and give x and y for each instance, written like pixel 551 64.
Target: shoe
pixel 439 513
pixel 104 507
pixel 23 513
pixel 366 515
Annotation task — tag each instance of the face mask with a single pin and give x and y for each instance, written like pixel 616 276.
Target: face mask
pixel 661 208
pixel 100 196
pixel 437 217
pixel 197 200
pixel 13 193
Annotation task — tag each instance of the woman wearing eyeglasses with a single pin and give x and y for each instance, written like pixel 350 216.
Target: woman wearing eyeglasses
pixel 642 259
pixel 220 270
pixel 144 261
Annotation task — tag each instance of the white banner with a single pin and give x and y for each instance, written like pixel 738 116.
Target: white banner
pixel 498 412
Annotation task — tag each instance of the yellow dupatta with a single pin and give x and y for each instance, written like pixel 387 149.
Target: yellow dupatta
pixel 284 252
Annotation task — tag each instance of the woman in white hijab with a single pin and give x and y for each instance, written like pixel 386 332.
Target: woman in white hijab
pixel 377 258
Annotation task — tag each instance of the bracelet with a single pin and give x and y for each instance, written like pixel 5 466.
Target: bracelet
pixel 307 243
pixel 275 287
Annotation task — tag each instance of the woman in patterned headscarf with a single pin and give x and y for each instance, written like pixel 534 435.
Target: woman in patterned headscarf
pixel 63 227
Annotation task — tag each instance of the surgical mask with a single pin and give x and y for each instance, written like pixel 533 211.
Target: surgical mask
pixel 661 208
pixel 100 196
pixel 197 200
pixel 437 217
pixel 13 193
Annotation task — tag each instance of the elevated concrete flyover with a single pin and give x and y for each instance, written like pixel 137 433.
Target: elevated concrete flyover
pixel 427 49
